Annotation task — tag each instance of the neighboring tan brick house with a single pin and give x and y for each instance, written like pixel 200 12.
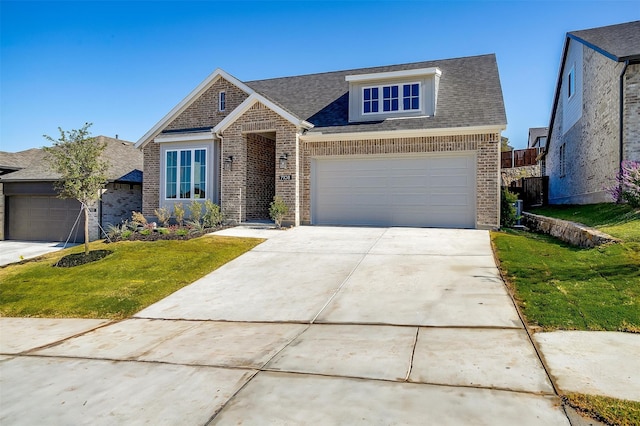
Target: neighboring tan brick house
pixel 595 119
pixel 31 210
pixel 403 145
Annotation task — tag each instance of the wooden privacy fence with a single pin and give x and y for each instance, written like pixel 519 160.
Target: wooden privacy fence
pixel 533 191
pixel 519 158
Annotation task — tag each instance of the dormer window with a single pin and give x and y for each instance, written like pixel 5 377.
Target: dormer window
pixel 407 93
pixel 391 98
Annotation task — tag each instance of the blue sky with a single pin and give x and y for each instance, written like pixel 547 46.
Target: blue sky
pixel 123 65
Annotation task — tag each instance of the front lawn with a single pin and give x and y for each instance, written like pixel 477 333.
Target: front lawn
pixel 558 286
pixel 133 277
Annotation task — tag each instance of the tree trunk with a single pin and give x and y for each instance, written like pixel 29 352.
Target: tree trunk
pixel 86 230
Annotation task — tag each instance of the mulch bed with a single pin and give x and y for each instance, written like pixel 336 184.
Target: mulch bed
pixel 78 259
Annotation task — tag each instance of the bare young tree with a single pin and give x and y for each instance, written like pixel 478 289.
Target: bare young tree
pixel 76 157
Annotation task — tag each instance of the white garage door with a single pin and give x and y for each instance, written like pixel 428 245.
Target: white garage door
pixel 427 191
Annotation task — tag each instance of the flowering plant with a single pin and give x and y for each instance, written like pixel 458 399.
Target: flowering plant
pixel 627 186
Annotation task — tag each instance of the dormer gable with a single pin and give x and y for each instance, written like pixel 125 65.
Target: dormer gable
pixel 394 94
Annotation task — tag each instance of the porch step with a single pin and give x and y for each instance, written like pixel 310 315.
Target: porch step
pixel 259 224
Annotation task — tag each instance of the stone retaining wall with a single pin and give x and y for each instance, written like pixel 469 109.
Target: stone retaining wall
pixel 570 232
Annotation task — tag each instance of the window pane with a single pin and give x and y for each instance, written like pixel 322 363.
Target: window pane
pixel 367 94
pixel 386 91
pixel 374 93
pixel 394 91
pixel 414 89
pixel 394 105
pixel 406 90
pixel 386 105
pixel 200 173
pixel 171 174
pixel 415 103
pixel 374 106
pixel 185 174
pixel 406 103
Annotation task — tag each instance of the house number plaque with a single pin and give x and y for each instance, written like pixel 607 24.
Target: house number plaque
pixel 286 177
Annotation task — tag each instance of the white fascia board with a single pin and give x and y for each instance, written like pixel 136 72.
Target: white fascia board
pixel 252 100
pixel 392 134
pixel 184 137
pixel 191 97
pixel 393 74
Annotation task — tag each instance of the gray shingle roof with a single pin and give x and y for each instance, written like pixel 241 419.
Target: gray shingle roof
pixel 125 163
pixel 618 42
pixel 18 160
pixel 469 95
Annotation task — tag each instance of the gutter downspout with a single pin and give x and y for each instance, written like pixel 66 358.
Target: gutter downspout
pixel 624 70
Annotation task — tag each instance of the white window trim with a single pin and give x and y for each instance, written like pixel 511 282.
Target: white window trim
pixel 222 104
pixel 206 173
pixel 400 109
pixel 571 82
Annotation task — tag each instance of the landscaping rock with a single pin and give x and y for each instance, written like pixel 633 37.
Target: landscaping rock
pixel 570 232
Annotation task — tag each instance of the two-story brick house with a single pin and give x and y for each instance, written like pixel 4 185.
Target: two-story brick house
pixel 403 145
pixel 595 118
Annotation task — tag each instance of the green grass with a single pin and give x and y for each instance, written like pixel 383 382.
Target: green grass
pixel 611 410
pixel 136 275
pixel 617 220
pixel 559 286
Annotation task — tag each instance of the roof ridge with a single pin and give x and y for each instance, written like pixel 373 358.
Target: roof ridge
pixel 368 68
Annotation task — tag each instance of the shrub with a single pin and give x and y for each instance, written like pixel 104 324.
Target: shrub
pixel 178 212
pixel 163 216
pixel 195 227
pixel 145 231
pixel 212 214
pixel 126 234
pixel 508 215
pixel 195 210
pixel 163 231
pixel 115 231
pixel 182 232
pixel 627 186
pixel 138 218
pixel 278 210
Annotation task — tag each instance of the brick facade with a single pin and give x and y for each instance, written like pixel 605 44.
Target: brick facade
pixel 151 180
pixel 119 200
pixel 261 175
pixel 632 113
pixel 258 137
pixel 202 113
pixel 592 144
pixel 485 146
pixel 234 198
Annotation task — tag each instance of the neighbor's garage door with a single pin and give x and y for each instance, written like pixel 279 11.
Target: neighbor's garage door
pixel 428 191
pixel 43 218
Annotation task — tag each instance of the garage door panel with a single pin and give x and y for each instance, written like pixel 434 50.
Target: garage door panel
pixel 436 191
pixel 43 218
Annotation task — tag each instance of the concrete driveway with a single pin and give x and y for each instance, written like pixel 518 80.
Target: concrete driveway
pixel 317 325
pixel 12 251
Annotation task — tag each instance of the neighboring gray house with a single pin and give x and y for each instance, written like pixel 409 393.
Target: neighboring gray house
pixel 595 119
pixel 31 210
pixel 538 137
pixel 404 145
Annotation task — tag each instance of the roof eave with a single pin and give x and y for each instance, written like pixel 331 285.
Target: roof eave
pixel 252 100
pixel 403 133
pixel 188 100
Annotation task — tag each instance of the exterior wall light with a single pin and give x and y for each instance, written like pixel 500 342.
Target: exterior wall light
pixel 283 160
pixel 228 163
